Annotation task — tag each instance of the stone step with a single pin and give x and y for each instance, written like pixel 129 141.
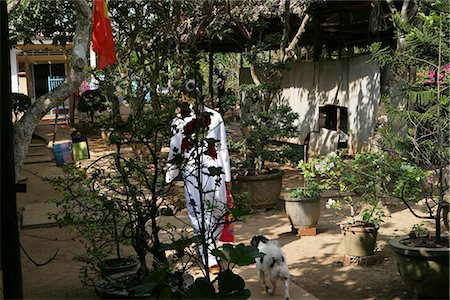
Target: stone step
pixel 38 145
pixel 35 215
pixel 30 154
pixel 37 159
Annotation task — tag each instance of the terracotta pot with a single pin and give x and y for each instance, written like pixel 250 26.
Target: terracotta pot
pixel 264 189
pixel 359 239
pixel 424 270
pixel 303 212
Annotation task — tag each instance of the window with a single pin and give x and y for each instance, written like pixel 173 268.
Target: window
pixel 330 116
pixel 335 118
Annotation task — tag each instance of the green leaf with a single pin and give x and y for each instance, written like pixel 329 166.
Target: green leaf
pixel 232 286
pixel 202 289
pixel 167 212
pixel 215 171
pixel 244 255
pixel 219 254
pixel 151 282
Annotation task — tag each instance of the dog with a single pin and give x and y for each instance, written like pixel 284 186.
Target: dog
pixel 272 266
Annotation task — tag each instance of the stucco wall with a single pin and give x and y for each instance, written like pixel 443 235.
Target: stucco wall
pixel 351 82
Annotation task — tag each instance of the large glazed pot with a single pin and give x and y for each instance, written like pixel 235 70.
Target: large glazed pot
pixel 303 212
pixel 424 270
pixel 264 189
pixel 360 238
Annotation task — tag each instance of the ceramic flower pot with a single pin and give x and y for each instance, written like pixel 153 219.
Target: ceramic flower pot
pixel 360 238
pixel 302 212
pixel 425 270
pixel 114 265
pixel 264 189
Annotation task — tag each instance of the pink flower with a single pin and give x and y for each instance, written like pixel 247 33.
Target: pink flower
pixel 430 180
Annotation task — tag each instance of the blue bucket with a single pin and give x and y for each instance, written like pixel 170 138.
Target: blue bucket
pixel 63 153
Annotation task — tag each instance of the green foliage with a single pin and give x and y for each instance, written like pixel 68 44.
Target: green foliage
pixel 263 127
pixel 92 101
pixel 162 283
pixel 240 255
pixel 20 103
pixel 311 172
pixel 419 230
pixel 363 177
pixel 417 107
pixel 92 214
pixel 231 286
pixel 54 20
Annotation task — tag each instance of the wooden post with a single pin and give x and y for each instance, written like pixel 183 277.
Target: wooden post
pixel 210 77
pixel 338 120
pixel 317 42
pixel 10 246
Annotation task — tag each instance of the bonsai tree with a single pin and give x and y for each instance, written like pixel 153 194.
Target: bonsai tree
pixel 132 186
pixel 360 184
pixel 417 107
pixel 264 119
pixel 92 101
pixel 93 216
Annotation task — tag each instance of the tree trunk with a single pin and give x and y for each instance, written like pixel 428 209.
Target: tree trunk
pixel 23 130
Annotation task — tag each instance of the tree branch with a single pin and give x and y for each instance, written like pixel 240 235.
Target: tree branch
pixel 12 5
pixel 392 6
pixel 405 10
pixel 297 36
pixel 24 129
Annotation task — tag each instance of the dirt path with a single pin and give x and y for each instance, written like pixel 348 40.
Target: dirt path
pixel 315 262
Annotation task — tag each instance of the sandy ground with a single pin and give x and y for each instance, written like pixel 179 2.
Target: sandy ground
pixel 315 262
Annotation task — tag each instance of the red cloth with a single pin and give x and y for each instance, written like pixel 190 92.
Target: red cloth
pixel 228 230
pixel 102 39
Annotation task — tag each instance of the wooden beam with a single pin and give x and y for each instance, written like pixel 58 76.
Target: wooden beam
pixel 9 227
pixel 317 43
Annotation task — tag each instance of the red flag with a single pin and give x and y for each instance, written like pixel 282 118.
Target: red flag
pixel 102 39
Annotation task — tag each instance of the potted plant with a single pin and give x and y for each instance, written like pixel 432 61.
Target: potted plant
pixel 302 205
pixel 92 214
pixel 359 182
pixel 260 128
pixel 416 135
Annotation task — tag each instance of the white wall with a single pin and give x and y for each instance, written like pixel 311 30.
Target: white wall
pixel 351 82
pixel 14 76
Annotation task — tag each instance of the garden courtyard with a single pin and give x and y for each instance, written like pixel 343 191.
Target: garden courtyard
pixel 326 120
pixel 316 263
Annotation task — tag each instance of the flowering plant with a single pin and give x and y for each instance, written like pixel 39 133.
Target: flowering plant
pixel 311 173
pixel 428 75
pixel 360 183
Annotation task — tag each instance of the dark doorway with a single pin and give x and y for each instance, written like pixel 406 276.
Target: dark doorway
pixel 41 74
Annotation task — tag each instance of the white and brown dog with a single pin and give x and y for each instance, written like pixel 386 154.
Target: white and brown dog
pixel 272 266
